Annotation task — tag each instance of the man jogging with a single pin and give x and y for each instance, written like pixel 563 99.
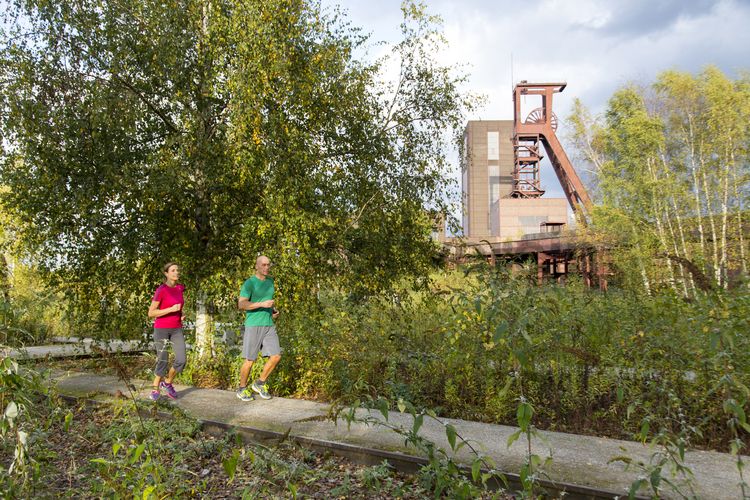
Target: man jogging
pixel 256 299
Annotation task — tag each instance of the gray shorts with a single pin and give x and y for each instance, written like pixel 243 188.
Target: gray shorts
pixel 257 337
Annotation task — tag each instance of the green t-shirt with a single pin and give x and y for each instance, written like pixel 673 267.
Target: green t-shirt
pixel 257 290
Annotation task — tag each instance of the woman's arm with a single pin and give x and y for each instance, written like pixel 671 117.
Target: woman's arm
pixel 155 312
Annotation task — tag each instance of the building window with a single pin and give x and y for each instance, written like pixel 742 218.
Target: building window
pixel 494 194
pixel 551 227
pixel 493 145
pixel 465 196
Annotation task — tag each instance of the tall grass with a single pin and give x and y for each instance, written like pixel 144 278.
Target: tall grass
pixel 601 362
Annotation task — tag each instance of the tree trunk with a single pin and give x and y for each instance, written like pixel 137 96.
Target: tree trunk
pixel 699 214
pixel 740 231
pixel 683 277
pixel 701 280
pixel 644 275
pixel 5 277
pixel 696 188
pixel 204 331
pixel 687 280
pixel 646 284
pixel 204 335
pixel 714 237
pixel 685 248
pixel 657 211
pixel 724 221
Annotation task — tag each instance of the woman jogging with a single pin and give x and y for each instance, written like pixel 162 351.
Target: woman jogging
pixel 166 307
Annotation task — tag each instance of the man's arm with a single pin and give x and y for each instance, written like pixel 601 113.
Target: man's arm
pixel 244 304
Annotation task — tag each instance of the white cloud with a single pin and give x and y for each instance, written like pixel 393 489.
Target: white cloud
pixel 595 46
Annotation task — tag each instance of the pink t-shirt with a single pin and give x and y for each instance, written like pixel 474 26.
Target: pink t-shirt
pixel 167 296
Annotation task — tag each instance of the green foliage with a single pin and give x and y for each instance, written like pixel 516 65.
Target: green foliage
pixel 374 477
pixel 671 168
pixel 23 398
pixel 29 311
pixel 581 357
pixel 207 132
pixel 486 345
pixel 230 464
pixel 221 370
pixel 442 475
pixel 668 444
pixel 494 347
pixel 113 451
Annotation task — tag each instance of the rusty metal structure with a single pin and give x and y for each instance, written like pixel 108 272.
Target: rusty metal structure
pixel 556 253
pixel 538 129
pixel 529 135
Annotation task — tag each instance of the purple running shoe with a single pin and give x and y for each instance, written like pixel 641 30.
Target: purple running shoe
pixel 171 392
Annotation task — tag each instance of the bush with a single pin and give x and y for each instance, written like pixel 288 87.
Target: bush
pixel 598 362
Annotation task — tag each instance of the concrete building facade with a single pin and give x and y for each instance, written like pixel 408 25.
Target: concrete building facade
pixel 489 213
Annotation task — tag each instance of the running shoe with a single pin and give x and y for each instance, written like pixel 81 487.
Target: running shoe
pixel 261 390
pixel 155 395
pixel 171 392
pixel 245 394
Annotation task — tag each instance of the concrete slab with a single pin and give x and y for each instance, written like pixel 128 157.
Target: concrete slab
pixel 580 460
pixel 76 349
pixel 68 340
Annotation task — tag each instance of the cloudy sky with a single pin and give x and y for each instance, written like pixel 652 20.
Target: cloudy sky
pixel 595 46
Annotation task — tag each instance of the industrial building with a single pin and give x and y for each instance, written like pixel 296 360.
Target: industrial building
pixel 490 210
pixel 504 212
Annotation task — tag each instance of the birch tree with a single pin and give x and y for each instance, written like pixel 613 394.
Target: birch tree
pixel 208 131
pixel 672 160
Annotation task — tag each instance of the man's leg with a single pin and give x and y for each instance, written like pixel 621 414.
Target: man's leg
pixel 245 372
pixel 269 366
pixel 251 343
pixel 271 349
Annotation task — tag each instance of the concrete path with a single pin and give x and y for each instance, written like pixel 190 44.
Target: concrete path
pixel 86 347
pixel 579 460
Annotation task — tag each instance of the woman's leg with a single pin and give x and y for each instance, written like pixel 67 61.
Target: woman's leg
pixel 180 357
pixel 162 355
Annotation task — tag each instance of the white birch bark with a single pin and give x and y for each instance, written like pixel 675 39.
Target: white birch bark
pixel 204 338
pixel 710 215
pixel 696 186
pixel 688 278
pixel 657 211
pixel 740 231
pixel 725 220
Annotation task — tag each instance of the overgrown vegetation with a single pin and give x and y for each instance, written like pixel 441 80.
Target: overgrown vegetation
pixel 205 132
pixel 251 127
pixel 619 363
pixel 49 448
pixel 498 348
pixel 30 312
pixel 670 166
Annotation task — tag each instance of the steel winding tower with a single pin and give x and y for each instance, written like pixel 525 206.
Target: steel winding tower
pixel 539 127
